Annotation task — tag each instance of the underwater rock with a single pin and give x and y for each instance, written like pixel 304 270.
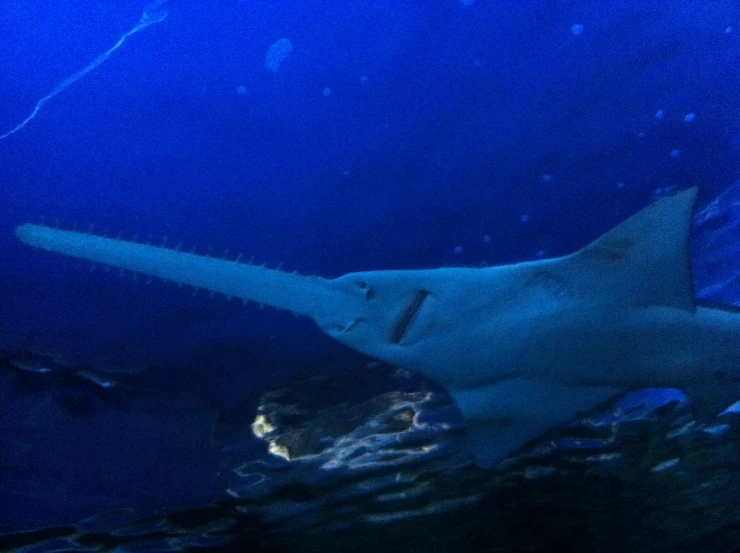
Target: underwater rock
pixel 375 452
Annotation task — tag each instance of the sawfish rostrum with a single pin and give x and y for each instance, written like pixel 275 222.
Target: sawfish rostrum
pixel 522 347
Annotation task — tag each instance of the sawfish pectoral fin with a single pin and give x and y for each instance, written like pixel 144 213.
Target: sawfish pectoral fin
pixel 503 417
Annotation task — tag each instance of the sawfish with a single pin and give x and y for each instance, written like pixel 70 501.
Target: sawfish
pixel 521 348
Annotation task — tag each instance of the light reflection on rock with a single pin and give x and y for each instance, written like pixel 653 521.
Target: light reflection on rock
pixel 398 457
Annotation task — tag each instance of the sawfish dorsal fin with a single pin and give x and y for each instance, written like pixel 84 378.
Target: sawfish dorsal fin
pixel 645 260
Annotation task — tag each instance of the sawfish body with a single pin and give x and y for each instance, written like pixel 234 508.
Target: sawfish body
pixel 521 348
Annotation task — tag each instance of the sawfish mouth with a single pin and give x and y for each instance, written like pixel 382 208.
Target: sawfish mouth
pixel 409 317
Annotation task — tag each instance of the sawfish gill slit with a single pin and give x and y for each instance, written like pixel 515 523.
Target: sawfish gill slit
pixel 408 317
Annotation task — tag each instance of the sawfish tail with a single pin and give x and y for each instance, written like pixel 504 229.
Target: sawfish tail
pixel 300 294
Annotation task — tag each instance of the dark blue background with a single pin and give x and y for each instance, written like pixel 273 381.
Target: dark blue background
pixel 445 123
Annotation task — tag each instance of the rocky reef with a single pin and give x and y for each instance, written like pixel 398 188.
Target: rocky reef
pixel 379 465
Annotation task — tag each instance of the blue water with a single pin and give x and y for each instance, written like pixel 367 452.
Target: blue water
pixel 393 135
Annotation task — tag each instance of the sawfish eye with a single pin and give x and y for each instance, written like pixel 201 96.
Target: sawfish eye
pixel 366 287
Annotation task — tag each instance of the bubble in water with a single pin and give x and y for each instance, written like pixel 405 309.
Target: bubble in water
pixel 241 90
pixel 547 177
pixel 660 114
pixel 277 53
pixel 689 117
pixel 524 218
pixel 576 29
pixel 326 92
pixel 487 239
pixel 458 250
pixel 675 154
